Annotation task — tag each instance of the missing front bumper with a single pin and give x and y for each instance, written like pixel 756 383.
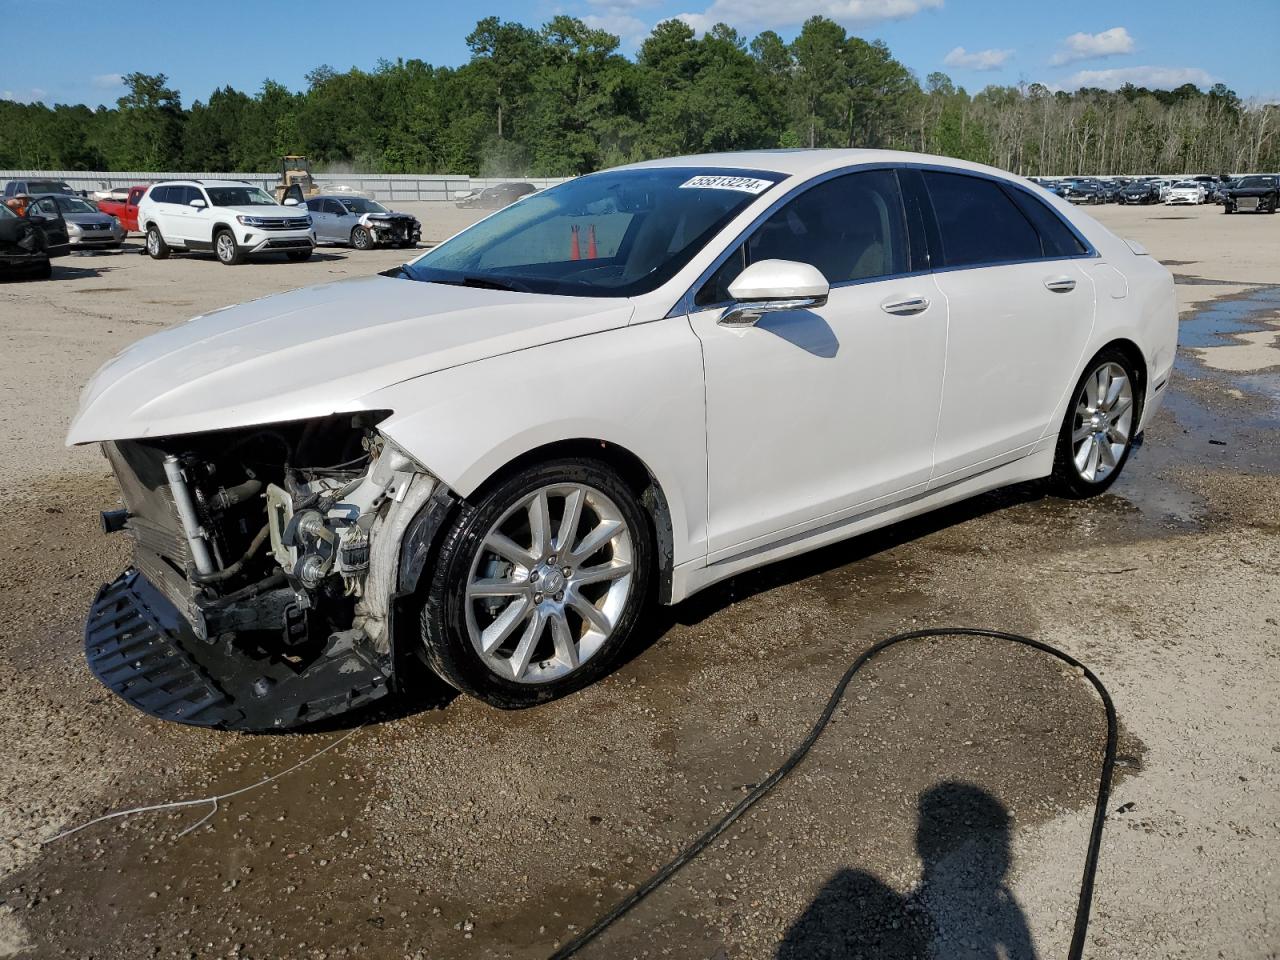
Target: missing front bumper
pixel 140 646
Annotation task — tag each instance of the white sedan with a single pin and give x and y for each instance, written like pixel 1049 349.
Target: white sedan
pixel 621 389
pixel 1185 191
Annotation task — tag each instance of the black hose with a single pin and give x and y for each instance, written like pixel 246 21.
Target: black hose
pixel 793 761
pixel 228 572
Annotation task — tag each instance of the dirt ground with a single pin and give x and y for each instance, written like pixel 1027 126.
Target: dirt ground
pixel 945 811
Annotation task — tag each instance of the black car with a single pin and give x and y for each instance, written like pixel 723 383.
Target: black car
pixel 494 198
pixel 25 244
pixel 1140 191
pixel 1261 194
pixel 1082 191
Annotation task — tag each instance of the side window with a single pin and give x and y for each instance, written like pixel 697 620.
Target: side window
pixel 978 222
pixel 45 208
pixel 160 194
pixel 189 194
pixel 1056 238
pixel 335 207
pixel 850 228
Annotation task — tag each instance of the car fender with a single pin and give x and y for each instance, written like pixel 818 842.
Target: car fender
pixel 638 387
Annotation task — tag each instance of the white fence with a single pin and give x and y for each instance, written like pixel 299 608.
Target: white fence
pixel 380 186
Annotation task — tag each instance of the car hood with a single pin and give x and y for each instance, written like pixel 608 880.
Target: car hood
pixel 83 218
pixel 262 210
pixel 317 351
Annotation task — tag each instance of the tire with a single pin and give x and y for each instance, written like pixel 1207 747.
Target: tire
pixel 473 592
pixel 226 249
pixel 299 256
pixel 156 247
pixel 1085 466
pixel 361 239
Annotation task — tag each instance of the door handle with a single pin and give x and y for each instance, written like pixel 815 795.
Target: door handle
pixel 905 308
pixel 1060 284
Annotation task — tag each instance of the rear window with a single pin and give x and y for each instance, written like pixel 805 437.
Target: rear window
pixel 978 222
pixel 1056 238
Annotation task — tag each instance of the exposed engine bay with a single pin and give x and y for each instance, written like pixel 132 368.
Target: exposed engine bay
pixel 278 547
pixel 392 228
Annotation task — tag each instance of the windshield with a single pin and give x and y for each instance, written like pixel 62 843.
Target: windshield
pixel 1253 182
pixel 613 234
pixel 362 205
pixel 75 205
pixel 48 186
pixel 239 197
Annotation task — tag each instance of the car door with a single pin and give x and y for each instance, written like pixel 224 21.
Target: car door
pixel 168 200
pixel 321 219
pixel 198 221
pixel 1020 311
pixel 818 415
pixel 44 213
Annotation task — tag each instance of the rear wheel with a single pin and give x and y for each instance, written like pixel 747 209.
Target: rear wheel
pixel 538 584
pixel 361 238
pixel 1097 432
pixel 156 247
pixel 227 250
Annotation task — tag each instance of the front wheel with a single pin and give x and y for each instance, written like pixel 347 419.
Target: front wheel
pixel 538 584
pixel 1097 433
pixel 361 239
pixel 227 250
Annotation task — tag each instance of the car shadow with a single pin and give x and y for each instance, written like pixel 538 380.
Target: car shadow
pixel 961 907
pixel 317 256
pixel 824 559
pixel 420 690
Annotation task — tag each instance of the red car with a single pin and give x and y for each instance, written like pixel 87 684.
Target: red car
pixel 126 211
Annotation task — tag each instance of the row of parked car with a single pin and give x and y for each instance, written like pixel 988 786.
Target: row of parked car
pixel 232 219
pixel 1256 192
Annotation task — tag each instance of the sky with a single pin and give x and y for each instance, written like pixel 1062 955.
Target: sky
pixel 1064 44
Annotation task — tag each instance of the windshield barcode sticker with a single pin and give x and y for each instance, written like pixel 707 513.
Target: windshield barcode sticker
pixel 719 182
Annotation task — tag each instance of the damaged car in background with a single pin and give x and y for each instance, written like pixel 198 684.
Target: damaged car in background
pixel 30 238
pixel 361 223
pixel 1258 194
pixel 622 389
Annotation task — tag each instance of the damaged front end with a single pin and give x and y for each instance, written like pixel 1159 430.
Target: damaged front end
pixel 392 228
pixel 265 572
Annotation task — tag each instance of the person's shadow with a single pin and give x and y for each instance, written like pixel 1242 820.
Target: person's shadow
pixel 961 907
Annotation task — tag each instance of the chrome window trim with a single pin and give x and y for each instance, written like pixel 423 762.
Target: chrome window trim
pixel 684 305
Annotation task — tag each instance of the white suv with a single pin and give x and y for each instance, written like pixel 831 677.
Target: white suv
pixel 230 217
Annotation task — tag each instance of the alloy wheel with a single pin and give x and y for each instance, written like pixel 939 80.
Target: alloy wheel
pixel 226 247
pixel 1103 424
pixel 549 583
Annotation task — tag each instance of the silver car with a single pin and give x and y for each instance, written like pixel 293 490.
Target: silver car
pixel 87 227
pixel 361 223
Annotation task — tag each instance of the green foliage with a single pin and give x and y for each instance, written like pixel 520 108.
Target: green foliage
pixel 561 100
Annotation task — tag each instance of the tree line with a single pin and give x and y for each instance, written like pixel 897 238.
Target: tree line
pixel 561 100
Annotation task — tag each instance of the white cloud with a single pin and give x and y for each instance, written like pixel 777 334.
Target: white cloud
pixel 763 14
pixel 978 59
pixel 108 81
pixel 1090 46
pixel 631 30
pixel 1160 78
pixel 30 95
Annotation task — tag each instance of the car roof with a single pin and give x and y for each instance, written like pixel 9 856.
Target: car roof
pixel 203 183
pixel 810 162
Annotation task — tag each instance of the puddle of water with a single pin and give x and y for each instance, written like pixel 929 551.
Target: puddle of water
pixel 1218 320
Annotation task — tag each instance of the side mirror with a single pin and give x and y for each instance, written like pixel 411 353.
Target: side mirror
pixel 290 201
pixel 772 286
pixel 197 203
